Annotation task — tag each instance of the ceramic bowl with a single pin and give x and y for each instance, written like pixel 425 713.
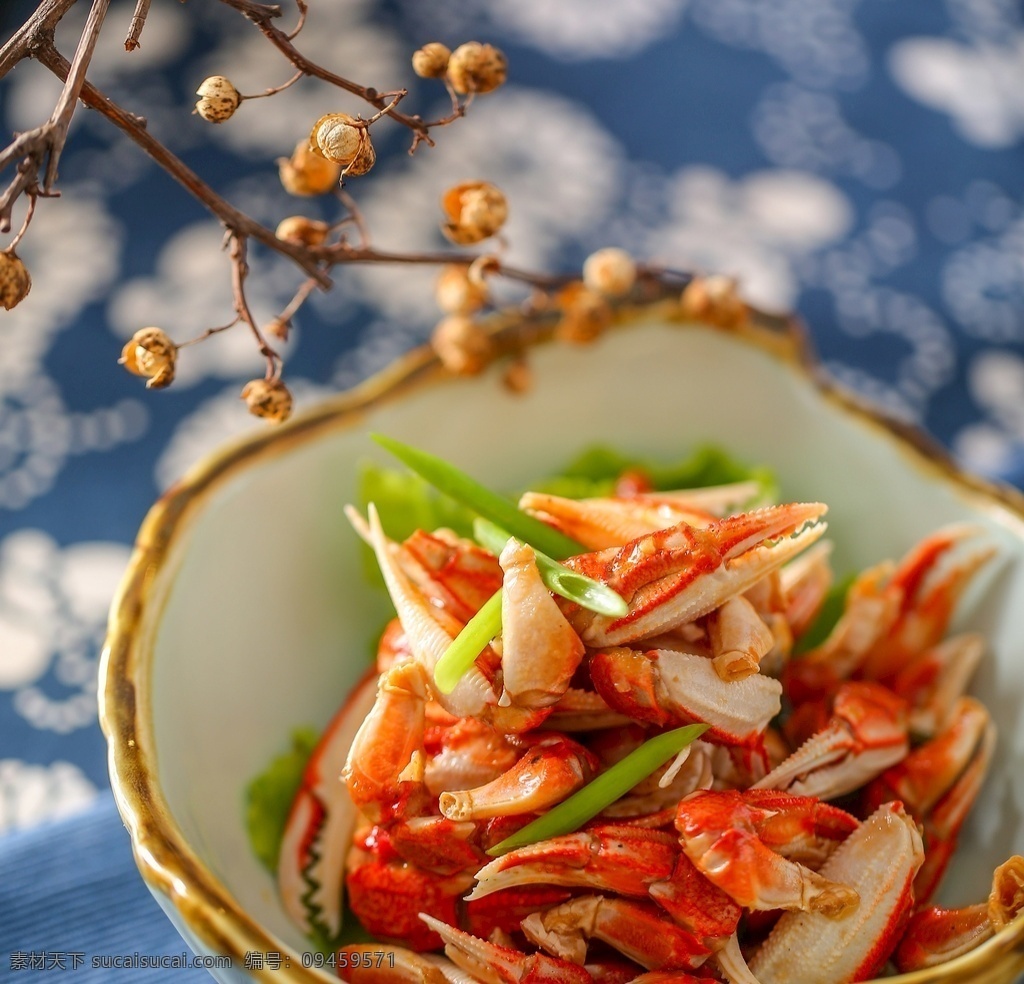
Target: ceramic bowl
pixel 245 614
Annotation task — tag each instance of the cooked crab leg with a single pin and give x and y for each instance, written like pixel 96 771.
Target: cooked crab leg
pixel 936 935
pixel 676 575
pixel 610 522
pixel 805 582
pixel 668 688
pixel 494 964
pixel 939 782
pixel 739 842
pixel 638 930
pixel 866 734
pixel 933 681
pixel 551 770
pixel 929 591
pixel 879 861
pixel 583 710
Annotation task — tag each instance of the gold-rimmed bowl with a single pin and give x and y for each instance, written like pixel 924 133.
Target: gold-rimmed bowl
pixel 244 613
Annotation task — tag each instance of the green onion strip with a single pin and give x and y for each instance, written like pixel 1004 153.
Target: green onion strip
pixel 569 815
pixel 468 644
pixel 585 591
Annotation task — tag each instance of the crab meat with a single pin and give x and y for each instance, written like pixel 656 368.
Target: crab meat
pixel 552 769
pixel 804 582
pixel 939 782
pixel 748 845
pixel 866 734
pixel 583 710
pixel 676 575
pixel 320 824
pixel 739 639
pixel 540 650
pixel 638 930
pixel 935 935
pixel 879 861
pixel 494 964
pixel 465 754
pixel 668 688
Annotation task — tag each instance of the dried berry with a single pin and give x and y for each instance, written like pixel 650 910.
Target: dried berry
pixel 299 229
pixel 431 61
pixel 218 99
pixel 610 271
pixel 307 172
pixel 462 345
pixel 475 210
pixel 343 140
pixel 279 328
pixel 268 398
pixel 714 299
pixel 150 353
pixel 457 292
pixel 15 282
pixel 585 314
pixel 518 377
pixel 476 67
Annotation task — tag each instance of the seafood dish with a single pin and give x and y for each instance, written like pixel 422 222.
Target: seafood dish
pixel 648 736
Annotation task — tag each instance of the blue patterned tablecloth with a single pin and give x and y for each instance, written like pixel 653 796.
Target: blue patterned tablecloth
pixel 859 161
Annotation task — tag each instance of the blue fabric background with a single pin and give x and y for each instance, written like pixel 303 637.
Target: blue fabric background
pixel 859 161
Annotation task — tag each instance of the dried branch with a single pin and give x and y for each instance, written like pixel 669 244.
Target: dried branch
pixel 138 22
pixel 233 219
pixel 36 30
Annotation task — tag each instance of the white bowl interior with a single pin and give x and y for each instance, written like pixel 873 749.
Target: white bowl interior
pixel 267 621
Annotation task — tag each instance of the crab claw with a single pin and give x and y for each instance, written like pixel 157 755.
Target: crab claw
pixel 936 935
pixel 879 861
pixel 616 858
pixel 939 782
pixel 866 734
pixel 739 842
pixel 429 629
pixel 676 575
pixel 668 688
pixel 494 964
pixel 320 824
pixel 551 770
pixel 739 639
pixel 638 930
pixel 540 650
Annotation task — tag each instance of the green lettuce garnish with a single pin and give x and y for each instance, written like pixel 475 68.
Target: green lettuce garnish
pixel 269 797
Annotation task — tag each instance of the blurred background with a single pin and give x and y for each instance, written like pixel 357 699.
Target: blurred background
pixel 858 161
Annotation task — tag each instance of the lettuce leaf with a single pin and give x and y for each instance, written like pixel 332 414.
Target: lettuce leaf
pixel 269 796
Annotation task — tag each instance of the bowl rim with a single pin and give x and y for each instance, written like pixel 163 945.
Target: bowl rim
pixel 165 860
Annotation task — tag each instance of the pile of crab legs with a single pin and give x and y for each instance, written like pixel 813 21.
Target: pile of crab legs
pixel 735 861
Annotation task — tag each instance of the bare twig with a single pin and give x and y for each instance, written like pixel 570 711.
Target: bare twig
pixel 301 23
pixel 211 332
pixel 277 88
pixel 68 101
pixel 239 271
pixel 13 244
pixel 138 22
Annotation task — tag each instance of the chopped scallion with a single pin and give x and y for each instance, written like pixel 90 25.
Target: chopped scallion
pixel 468 644
pixel 457 484
pixel 585 804
pixel 583 590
